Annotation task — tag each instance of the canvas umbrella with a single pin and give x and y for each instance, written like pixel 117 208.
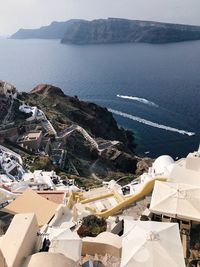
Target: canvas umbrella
pixel 152 244
pixel 180 201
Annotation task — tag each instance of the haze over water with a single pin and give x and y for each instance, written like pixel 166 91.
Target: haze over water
pixel 153 90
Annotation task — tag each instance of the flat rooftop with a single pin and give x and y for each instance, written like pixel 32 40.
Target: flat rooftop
pixel 54 196
pixel 30 136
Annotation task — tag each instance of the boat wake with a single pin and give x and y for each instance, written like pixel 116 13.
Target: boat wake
pixel 138 99
pixel 150 123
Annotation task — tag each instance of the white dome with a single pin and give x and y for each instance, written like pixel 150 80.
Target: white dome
pixel 161 163
pixel 171 167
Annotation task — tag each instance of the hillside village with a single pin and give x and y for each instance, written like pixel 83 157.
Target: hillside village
pixel 73 194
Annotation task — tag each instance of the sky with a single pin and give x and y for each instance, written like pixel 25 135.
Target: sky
pixel 16 14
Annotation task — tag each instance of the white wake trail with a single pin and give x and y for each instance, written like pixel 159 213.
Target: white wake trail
pixel 138 99
pixel 150 123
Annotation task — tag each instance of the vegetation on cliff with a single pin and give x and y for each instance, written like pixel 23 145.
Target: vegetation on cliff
pixel 115 152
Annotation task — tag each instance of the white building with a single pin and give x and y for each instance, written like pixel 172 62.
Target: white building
pixel 11 163
pixel 28 109
pixel 40 178
pixel 187 170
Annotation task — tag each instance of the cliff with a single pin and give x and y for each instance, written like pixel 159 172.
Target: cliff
pixel 128 31
pixel 113 30
pixel 94 146
pixel 66 112
pixel 55 30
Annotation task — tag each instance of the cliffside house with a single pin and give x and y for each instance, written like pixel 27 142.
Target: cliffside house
pixel 30 110
pixel 31 141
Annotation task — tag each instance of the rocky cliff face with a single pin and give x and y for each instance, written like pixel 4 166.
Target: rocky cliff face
pixel 127 31
pixel 65 111
pixel 93 144
pixel 112 30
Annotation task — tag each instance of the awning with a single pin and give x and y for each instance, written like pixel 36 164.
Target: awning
pixel 31 202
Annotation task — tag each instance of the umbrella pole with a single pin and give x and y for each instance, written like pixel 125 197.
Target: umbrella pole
pixel 185 237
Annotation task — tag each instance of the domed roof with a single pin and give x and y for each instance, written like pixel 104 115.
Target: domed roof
pixel 161 163
pixel 46 259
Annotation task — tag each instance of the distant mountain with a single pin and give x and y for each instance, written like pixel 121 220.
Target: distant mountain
pixel 121 31
pixel 55 30
pixel 113 30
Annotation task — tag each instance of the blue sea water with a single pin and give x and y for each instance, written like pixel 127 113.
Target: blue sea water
pixel 153 90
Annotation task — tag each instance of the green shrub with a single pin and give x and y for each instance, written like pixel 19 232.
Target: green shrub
pixel 92 226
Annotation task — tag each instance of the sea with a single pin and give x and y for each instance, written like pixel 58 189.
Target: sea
pixel 152 90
